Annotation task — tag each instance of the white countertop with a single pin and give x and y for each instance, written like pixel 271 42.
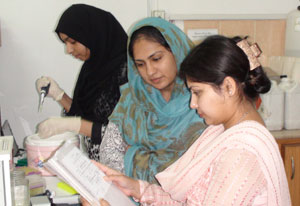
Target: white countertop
pixel 283 134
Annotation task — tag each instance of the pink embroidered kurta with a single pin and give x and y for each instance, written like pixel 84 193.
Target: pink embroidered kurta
pixel 239 166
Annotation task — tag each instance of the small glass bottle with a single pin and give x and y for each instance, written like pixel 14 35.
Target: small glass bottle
pixel 20 188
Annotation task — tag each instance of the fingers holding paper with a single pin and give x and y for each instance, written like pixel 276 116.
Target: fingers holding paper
pixel 127 185
pixel 104 203
pixel 105 169
pixel 84 202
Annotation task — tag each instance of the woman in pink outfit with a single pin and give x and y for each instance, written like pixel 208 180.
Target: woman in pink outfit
pixel 236 160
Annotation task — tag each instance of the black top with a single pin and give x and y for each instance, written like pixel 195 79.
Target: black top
pixel 97 89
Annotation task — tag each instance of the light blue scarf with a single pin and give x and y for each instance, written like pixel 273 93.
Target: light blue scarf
pixel 157 131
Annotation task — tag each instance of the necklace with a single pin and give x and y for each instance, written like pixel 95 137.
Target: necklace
pixel 242 117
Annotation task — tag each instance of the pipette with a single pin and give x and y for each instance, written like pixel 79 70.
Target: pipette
pixel 43 94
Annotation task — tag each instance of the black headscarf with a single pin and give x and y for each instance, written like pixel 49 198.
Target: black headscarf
pixel 99 31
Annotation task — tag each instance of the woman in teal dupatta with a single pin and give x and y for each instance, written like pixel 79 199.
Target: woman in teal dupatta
pixel 156 131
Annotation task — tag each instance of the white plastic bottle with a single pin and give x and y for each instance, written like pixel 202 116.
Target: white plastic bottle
pixel 272 107
pixel 291 103
pixel 285 83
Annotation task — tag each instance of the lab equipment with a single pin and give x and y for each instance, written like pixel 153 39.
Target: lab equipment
pixel 6 144
pixel 21 188
pixel 40 201
pixel 292 43
pixel 43 94
pixel 273 114
pixel 39 149
pixel 7 131
pixel 291 90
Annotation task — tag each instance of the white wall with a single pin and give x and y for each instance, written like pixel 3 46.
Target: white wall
pixel 31 49
pixel 226 6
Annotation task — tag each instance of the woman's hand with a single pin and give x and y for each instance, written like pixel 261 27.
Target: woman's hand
pixel 54 91
pixel 84 202
pixel 104 203
pixel 58 125
pixel 127 185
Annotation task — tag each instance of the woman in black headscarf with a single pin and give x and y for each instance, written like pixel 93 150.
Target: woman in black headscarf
pixel 97 38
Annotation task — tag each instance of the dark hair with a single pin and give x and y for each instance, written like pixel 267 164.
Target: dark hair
pixel 150 33
pixel 218 57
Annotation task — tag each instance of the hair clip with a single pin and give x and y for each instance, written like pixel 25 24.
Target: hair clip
pixel 252 52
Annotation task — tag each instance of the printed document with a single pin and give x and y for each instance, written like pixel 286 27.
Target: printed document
pixel 71 165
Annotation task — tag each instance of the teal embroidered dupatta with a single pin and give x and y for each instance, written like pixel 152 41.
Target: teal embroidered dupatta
pixel 158 132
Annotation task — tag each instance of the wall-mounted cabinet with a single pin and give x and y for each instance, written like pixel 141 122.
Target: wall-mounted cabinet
pixel 268 33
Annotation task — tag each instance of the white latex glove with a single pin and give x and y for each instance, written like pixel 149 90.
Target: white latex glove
pixel 58 125
pixel 54 91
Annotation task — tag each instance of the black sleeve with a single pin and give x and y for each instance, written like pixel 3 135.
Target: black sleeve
pixel 96 136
